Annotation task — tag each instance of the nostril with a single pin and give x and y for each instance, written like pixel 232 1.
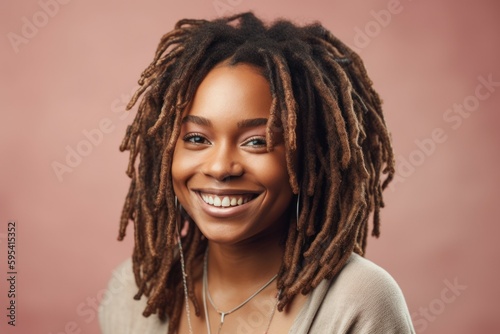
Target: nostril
pixel 227 179
pixel 226 175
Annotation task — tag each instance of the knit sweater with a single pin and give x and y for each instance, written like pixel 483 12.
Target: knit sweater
pixel 362 298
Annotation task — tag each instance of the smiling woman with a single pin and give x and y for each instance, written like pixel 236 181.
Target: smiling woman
pixel 262 151
pixel 222 157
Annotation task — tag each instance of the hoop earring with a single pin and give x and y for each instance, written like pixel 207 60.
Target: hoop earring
pixel 184 275
pixel 297 211
pixel 182 222
pixel 176 213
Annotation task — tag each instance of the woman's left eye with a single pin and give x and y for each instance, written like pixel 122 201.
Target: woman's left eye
pixel 195 138
pixel 256 142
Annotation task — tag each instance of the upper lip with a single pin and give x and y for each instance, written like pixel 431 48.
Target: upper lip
pixel 226 191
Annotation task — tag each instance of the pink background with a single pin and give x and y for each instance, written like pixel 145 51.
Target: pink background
pixel 440 226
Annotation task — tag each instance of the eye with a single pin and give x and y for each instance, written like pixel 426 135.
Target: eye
pixel 195 138
pixel 256 142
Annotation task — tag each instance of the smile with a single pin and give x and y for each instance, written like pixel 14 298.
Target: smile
pixel 226 200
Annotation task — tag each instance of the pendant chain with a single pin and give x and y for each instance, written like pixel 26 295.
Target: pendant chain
pixel 206 293
pixel 184 283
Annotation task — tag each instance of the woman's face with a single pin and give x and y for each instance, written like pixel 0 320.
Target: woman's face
pixel 224 177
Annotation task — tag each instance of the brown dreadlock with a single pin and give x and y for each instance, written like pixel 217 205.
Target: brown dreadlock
pixel 322 99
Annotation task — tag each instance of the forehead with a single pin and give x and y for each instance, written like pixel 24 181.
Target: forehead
pixel 232 92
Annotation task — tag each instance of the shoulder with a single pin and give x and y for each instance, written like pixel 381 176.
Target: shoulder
pixel 362 298
pixel 364 281
pixel 368 298
pixel 119 312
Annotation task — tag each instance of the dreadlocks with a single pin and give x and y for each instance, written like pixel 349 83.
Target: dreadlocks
pixel 329 114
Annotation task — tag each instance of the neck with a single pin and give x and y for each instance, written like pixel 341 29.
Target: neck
pixel 247 264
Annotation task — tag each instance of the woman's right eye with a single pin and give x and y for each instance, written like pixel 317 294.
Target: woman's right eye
pixel 195 138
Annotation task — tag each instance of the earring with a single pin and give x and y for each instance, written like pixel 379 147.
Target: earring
pixel 182 221
pixel 183 269
pixel 297 212
pixel 178 216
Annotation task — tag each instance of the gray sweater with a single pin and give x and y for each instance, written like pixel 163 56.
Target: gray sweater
pixel 363 298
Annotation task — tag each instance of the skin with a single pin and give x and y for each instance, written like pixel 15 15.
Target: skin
pixel 222 151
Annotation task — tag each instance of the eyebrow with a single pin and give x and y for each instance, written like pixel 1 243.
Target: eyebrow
pixel 252 123
pixel 246 123
pixel 197 120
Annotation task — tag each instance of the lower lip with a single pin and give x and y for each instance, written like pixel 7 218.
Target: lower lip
pixel 223 212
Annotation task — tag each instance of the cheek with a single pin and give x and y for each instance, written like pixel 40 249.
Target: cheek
pixel 273 173
pixel 181 166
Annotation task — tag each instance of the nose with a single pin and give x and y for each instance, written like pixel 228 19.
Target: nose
pixel 222 163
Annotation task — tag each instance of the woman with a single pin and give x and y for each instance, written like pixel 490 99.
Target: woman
pixel 262 151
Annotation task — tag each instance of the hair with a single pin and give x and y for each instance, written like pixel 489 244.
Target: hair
pixel 322 99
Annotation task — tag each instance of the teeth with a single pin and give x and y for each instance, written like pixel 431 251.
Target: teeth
pixel 225 201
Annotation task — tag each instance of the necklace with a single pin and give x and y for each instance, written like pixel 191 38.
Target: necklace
pixel 184 283
pixel 224 314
